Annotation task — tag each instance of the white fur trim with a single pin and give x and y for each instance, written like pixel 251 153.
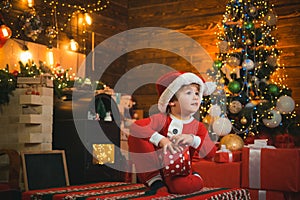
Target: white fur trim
pixel 156 138
pixel 210 87
pixel 196 142
pixel 183 79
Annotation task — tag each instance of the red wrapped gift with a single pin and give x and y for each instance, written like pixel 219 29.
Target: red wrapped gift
pixel 177 164
pixel 266 194
pixel 284 141
pixel 218 174
pixel 225 157
pixel 271 169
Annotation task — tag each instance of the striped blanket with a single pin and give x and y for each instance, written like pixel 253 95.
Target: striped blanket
pixel 123 190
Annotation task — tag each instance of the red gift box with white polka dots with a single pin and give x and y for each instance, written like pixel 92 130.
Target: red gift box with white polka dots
pixel 177 164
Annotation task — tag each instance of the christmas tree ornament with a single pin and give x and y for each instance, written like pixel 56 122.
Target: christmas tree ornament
pixel 218 64
pixel 222 126
pixel 223 46
pixel 274 121
pixel 234 86
pixel 207 119
pixel 233 61
pixel 248 41
pixel 249 25
pixel 31 24
pixel 5 32
pixel 244 120
pixel 270 19
pixel 272 60
pixel 215 111
pixel 232 142
pixel 251 134
pixel 235 107
pixel 248 64
pixel 252 11
pixel 222 81
pixel 51 32
pixel 273 89
pixel 6 5
pixel 250 105
pixel 285 104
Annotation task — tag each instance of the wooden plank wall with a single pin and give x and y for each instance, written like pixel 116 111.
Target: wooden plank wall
pixel 198 20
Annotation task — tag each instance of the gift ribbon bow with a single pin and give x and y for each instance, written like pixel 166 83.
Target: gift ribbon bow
pixel 254 167
pixel 224 149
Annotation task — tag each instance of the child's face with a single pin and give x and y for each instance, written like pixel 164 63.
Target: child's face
pixel 188 101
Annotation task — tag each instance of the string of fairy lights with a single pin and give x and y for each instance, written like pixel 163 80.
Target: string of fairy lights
pixel 53 17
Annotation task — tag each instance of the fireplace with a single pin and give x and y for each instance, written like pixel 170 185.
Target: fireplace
pixel 92 149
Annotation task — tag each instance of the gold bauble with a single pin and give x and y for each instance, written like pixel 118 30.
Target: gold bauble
pixel 222 80
pixel 248 41
pixel 244 120
pixel 235 107
pixel 251 134
pixel 207 119
pixel 232 142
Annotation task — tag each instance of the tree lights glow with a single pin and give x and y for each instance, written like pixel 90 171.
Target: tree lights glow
pixel 248 69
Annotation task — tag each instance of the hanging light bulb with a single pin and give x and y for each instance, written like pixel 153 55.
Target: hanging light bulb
pixel 25 55
pixel 50 56
pixel 30 3
pixel 88 18
pixel 73 44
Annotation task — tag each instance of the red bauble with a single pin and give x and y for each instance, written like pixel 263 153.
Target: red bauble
pixel 5 32
pixel 15 73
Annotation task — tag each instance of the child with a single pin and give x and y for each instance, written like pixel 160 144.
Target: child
pixel 180 96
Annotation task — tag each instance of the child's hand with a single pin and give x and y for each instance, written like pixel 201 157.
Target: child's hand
pixel 183 139
pixel 167 145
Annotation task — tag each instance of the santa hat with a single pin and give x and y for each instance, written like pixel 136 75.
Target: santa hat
pixel 171 82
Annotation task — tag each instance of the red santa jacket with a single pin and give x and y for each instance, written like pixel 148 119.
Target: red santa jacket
pixel 160 122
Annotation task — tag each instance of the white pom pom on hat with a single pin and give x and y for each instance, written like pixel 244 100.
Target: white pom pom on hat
pixel 171 82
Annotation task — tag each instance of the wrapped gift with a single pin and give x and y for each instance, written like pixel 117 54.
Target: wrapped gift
pixel 273 195
pixel 284 141
pixel 214 174
pixel 177 164
pixel 224 155
pixel 271 169
pixel 266 194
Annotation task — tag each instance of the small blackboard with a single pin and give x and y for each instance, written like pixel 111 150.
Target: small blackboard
pixel 44 169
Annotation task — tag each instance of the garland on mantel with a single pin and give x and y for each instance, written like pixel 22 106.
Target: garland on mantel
pixel 62 80
pixel 8 83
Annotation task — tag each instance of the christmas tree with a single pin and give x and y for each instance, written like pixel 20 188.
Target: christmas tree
pixel 252 97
